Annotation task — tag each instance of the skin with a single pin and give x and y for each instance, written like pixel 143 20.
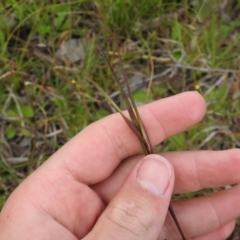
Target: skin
pixel 90 188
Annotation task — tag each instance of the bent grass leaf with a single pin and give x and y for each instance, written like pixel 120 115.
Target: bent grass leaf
pixel 132 126
pixel 136 123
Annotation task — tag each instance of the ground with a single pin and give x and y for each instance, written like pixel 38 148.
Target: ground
pixel 166 47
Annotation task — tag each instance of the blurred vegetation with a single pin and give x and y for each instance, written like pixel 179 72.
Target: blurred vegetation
pixel 176 45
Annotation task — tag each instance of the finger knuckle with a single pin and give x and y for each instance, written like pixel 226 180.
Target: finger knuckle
pixel 130 216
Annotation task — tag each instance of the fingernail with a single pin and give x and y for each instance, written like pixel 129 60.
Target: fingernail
pixel 154 174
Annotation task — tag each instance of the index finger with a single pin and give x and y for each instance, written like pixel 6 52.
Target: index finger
pixel 95 152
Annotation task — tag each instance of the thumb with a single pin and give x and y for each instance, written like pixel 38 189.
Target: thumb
pixel 139 209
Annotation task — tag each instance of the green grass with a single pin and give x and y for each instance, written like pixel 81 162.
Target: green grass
pixel 44 101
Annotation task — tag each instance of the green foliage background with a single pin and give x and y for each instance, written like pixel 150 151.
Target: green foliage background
pixel 44 100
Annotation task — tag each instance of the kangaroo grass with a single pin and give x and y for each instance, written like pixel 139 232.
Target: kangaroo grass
pixel 135 124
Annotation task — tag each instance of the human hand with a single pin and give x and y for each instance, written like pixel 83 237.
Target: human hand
pixel 96 187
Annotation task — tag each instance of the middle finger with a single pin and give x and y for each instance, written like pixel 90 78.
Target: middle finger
pixel 193 171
